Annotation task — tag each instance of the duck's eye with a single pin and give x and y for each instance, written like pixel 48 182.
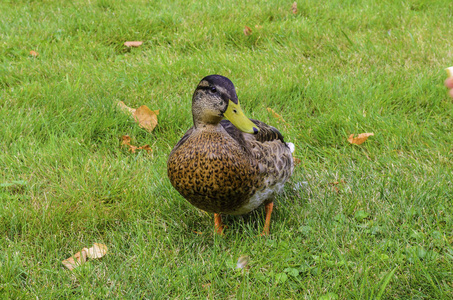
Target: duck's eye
pixel 213 89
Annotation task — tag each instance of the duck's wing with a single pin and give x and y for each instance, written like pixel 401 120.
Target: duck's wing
pixel 269 151
pixel 267 133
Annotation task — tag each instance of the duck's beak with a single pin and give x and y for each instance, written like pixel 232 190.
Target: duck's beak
pixel 235 115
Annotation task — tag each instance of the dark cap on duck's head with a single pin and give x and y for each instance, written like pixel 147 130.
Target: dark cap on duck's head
pixel 220 84
pixel 214 98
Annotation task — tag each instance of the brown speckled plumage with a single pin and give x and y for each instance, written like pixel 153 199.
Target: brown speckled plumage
pixel 221 169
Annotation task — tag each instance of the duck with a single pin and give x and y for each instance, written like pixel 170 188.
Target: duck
pixel 226 163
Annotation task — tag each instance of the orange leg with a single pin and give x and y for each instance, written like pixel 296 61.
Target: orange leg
pixel 218 224
pixel 267 223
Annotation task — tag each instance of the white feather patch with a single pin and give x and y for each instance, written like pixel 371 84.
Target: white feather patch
pixel 258 198
pixel 291 147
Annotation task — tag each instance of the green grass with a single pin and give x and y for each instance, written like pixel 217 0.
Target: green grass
pixel 334 68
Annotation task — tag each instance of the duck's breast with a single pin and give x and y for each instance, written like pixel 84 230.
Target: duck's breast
pixel 213 172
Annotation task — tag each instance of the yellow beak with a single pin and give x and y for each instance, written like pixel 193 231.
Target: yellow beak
pixel 235 115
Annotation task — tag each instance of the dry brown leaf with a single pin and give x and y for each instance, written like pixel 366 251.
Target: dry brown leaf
pixel 296 161
pixel 242 262
pixel 34 53
pixel 146 147
pixel 335 183
pixel 132 148
pixel 127 142
pixel 133 44
pixel 76 260
pixel 294 8
pixel 258 26
pixel 97 251
pixel 360 138
pixel 247 30
pixel 126 108
pixel 206 285
pixel 276 115
pixel 145 117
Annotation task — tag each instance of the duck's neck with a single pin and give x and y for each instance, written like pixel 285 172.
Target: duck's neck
pixel 206 120
pixel 208 127
pixel 205 114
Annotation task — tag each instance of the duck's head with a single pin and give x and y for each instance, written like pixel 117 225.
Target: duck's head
pixel 215 98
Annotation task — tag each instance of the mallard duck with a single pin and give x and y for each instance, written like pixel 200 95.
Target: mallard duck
pixel 228 166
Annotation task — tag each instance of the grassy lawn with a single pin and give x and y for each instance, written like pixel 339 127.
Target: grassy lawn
pixel 354 222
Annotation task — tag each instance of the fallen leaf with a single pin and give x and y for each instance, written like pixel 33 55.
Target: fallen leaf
pixel 34 53
pixel 78 259
pixel 276 115
pixel 360 138
pixel 294 8
pixel 133 44
pixel 337 182
pixel 97 251
pixel 127 142
pixel 206 285
pixel 296 161
pixel 258 26
pixel 145 117
pixel 242 262
pixel 247 30
pixel 132 148
pixel 333 185
pixel 126 108
pixel 146 147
